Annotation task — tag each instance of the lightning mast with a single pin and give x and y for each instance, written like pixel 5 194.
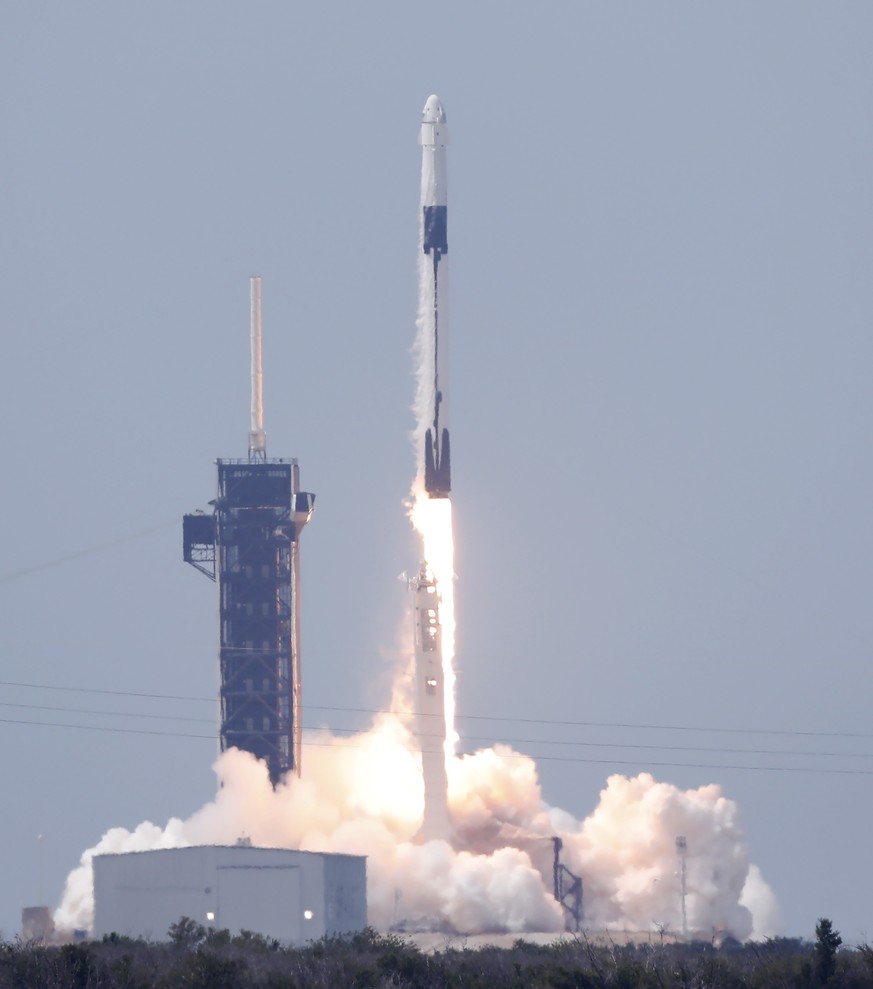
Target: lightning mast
pixel 682 851
pixel 257 436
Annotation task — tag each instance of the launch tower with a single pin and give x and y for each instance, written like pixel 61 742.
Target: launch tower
pixel 249 545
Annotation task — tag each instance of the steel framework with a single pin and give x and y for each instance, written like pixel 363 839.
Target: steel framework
pixel 568 889
pixel 250 546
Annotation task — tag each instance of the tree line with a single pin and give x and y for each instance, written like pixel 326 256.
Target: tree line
pixel 196 958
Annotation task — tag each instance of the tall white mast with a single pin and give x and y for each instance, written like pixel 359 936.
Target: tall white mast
pixel 257 436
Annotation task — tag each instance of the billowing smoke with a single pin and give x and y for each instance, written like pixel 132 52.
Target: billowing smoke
pixel 364 795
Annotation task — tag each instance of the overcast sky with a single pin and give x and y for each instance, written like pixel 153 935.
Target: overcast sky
pixel 661 231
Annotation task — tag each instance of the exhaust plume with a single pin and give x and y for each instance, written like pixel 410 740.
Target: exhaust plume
pixel 364 795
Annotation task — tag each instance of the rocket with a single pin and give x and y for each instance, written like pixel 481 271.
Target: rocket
pixel 433 138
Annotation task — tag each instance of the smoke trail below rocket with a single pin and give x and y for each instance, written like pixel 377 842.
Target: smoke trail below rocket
pixel 364 795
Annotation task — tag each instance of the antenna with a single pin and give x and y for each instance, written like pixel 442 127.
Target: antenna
pixel 257 436
pixel 682 849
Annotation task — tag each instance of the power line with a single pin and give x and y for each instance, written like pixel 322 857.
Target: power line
pixel 468 717
pixel 827 771
pixel 101 690
pixel 697 765
pixel 88 551
pixel 667 748
pixel 489 740
pixel 105 728
pixel 620 724
pixel 108 714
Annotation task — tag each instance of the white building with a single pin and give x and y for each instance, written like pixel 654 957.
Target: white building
pixel 294 897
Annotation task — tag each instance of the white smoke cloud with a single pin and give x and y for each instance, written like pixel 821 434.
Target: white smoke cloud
pixel 761 902
pixel 627 851
pixel 364 795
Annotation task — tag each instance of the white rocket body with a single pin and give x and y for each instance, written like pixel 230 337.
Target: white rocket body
pixel 433 138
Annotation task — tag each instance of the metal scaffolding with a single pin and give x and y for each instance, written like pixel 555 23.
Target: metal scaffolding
pixel 250 546
pixel 568 889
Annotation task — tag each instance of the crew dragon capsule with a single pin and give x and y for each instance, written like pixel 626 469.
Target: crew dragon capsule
pixel 433 138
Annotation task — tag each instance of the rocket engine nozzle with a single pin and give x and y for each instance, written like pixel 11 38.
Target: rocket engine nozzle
pixel 437 464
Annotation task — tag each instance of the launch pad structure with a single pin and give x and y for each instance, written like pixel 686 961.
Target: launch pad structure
pixel 249 545
pixel 567 889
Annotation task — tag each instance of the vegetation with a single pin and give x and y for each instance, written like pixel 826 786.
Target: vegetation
pixel 197 958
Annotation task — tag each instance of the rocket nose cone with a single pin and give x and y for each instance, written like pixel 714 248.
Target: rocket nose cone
pixel 433 112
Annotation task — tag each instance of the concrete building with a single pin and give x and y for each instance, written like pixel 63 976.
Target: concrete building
pixel 292 896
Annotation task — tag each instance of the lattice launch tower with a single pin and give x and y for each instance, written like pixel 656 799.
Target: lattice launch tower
pixel 249 545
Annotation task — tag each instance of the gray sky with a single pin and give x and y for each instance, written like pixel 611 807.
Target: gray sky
pixel 661 238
